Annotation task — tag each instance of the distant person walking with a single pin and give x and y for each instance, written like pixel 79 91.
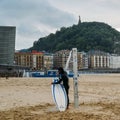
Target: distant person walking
pixel 64 78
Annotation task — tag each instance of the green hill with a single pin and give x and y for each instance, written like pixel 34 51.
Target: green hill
pixel 85 36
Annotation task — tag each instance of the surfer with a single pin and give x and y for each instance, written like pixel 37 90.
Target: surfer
pixel 63 78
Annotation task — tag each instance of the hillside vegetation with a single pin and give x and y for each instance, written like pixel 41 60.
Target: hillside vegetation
pixel 85 36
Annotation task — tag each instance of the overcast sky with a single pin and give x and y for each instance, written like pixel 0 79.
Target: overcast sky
pixel 37 18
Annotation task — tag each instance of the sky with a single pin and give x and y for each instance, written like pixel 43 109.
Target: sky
pixel 35 19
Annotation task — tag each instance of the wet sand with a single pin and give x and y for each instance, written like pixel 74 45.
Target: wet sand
pixel 31 99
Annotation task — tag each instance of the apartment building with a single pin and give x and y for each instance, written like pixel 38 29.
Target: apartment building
pixel 82 60
pixel 48 61
pixel 60 58
pixel 33 59
pixel 98 60
pixel 114 61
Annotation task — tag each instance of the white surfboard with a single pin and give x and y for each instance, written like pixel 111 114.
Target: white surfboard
pixel 59 95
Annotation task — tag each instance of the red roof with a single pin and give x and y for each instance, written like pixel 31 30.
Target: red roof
pixel 36 52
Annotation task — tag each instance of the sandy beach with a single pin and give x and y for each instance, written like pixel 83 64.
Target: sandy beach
pixel 31 99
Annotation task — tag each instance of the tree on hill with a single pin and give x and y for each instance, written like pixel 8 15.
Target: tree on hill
pixel 85 36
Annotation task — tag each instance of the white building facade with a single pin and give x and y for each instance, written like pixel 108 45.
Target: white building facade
pixel 114 61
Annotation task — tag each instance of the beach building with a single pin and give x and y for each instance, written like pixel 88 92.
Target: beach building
pixel 48 61
pixel 98 60
pixel 82 60
pixel 114 61
pixel 60 59
pixel 7 44
pixel 33 59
